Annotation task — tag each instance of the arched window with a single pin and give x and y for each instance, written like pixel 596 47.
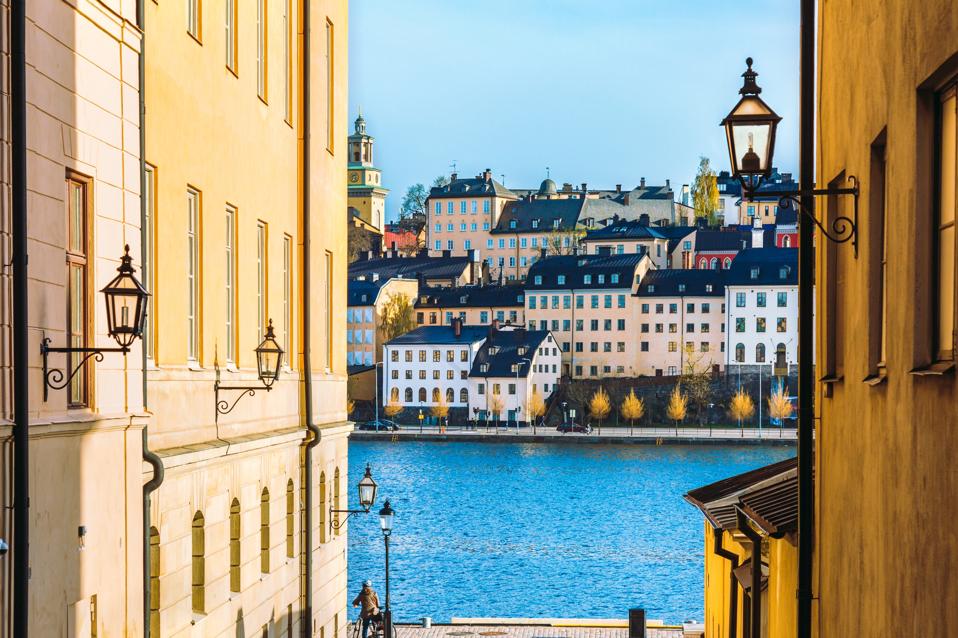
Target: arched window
pixel 264 531
pixel 235 558
pixel 322 507
pixel 703 263
pixel 198 551
pixel 727 263
pixel 422 395
pixel 154 582
pixel 714 263
pixel 394 395
pixel 450 396
pixel 408 395
pixel 760 353
pixel 740 352
pixel 464 396
pixel 786 241
pixel 435 395
pixel 290 519
pixel 336 504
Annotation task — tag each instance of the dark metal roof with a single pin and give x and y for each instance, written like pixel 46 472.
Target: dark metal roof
pixel 440 335
pixel 471 297
pixel 670 282
pixel 574 269
pixel 786 217
pixel 538 215
pixel 722 240
pixel 625 229
pixel 471 187
pixel 363 292
pixel 675 234
pixel 774 508
pixel 410 267
pixel 502 349
pixel 764 266
pixel 718 501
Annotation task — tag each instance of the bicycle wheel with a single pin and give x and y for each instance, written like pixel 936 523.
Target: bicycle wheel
pixel 357 628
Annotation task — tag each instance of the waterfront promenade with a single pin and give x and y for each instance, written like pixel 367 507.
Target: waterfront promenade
pixel 610 435
pixel 531 630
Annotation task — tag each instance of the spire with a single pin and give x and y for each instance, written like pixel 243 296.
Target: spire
pixel 360 123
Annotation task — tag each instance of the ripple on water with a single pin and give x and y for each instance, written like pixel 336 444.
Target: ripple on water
pixel 540 530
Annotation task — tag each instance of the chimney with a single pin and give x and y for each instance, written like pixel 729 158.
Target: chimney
pixel 457 327
pixel 668 185
pixel 421 278
pixel 642 183
pixel 585 188
pixel 487 175
pixel 494 326
pixel 566 187
pixel 644 219
pixel 758 234
pixel 447 253
pixel 542 253
pixel 392 245
pixel 369 254
pixel 453 177
pixel 618 188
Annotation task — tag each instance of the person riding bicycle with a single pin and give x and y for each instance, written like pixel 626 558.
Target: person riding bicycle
pixel 369 600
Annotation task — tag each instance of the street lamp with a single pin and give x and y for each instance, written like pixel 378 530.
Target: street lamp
pixel 367 496
pixel 125 300
pixel 386 515
pixel 750 132
pixel 518 404
pixel 269 361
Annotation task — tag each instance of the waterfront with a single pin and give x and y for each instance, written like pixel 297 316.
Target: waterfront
pixel 540 530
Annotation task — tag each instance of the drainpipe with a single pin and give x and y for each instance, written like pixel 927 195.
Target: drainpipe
pixel 732 558
pixel 806 280
pixel 756 540
pixel 314 434
pixel 150 457
pixel 20 336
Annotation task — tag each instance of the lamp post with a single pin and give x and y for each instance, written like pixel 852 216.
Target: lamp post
pixel 518 404
pixel 565 418
pixel 376 383
pixel 386 515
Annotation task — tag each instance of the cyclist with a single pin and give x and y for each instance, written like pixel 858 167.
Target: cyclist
pixel 369 600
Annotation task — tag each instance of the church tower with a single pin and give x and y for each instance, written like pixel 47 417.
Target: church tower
pixel 366 195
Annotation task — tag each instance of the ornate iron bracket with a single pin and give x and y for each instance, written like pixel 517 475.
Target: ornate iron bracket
pixel 349 513
pixel 841 229
pixel 225 407
pixel 56 378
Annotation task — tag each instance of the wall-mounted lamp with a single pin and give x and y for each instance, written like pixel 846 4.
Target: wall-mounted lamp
pixel 269 359
pixel 367 496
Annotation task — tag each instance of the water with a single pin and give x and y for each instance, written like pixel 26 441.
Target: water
pixel 539 530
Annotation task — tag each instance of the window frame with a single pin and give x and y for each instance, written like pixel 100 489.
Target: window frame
pixel 79 391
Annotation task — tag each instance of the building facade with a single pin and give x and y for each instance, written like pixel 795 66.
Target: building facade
pixel 367 300
pixel 366 194
pixel 473 305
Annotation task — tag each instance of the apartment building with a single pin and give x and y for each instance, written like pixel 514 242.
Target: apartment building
pixel 681 321
pixel 461 214
pixel 628 236
pixel 443 269
pixel 761 300
pixel 366 300
pixel 473 305
pixel 585 301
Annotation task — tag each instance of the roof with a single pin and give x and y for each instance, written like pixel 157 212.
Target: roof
pixel 502 349
pixel 764 266
pixel 718 501
pixel 774 508
pixel 625 229
pixel 538 215
pixel 670 282
pixel 675 234
pixel 471 297
pixel 722 240
pixel 441 335
pixel 410 267
pixel 547 187
pixel 477 186
pixel 544 274
pixel 363 292
pixel 786 217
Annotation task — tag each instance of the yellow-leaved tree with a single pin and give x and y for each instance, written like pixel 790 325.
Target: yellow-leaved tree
pixel 392 409
pixel 779 407
pixel 495 406
pixel 741 408
pixel 397 317
pixel 441 409
pixel 536 407
pixel 350 406
pixel 678 406
pixel 600 406
pixel 632 409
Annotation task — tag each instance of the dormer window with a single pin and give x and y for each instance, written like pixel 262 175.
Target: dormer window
pixel 753 273
pixel 708 287
pixel 601 279
pixel 484 367
pixel 556 222
pixel 522 351
pixel 493 350
pixel 561 280
pixel 535 223
pixel 364 298
pixel 462 299
pixel 537 280
pixel 514 367
pixel 615 278
pixel 681 287
pixel 783 272
pixel 422 299
pixel 521 299
pixel 651 287
pixel 587 279
pixel 512 223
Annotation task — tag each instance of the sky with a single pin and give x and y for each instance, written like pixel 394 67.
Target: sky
pixel 600 91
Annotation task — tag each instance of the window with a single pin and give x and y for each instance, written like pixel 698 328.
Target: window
pixel 644 346
pixel 193 13
pixel 587 279
pixel 780 324
pixel 760 353
pixel 407 395
pixel 329 305
pixel 464 356
pixel 193 274
pixel 288 296
pixel 759 324
pixel 645 309
pixel 290 519
pixel 422 395
pixel 579 301
pixel 704 346
pixel 673 346
pixel 947 175
pixel 154 582
pixel 450 396
pixel 337 505
pixel 740 324
pixel 235 556
pixel 740 300
pixel 462 207
pixel 436 356
pixel 322 507
pixel 261 281
pixel 704 327
pixel 261 48
pixel 330 84
pixel 621 301
pixel 782 299
pixel 760 299
pixel 288 58
pixel 595 301
pixel 593 325
pixel 148 268
pixel 673 328
pixel 673 308
pixel 231 38
pixel 230 249
pixel 690 327
pixel 706 308
pixel 198 551
pixel 78 202
pixel 264 530
pixel 740 353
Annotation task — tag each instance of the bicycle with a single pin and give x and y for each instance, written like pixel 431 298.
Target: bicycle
pixel 375 628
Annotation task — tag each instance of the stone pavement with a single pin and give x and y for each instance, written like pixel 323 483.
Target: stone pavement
pixel 526 631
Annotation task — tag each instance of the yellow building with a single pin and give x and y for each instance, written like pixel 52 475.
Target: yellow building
pixel 366 193
pixel 753 511
pixel 240 238
pixel 885 441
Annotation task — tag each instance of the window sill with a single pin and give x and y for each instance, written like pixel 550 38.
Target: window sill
pixel 937 369
pixel 831 379
pixel 194 365
pixel 877 378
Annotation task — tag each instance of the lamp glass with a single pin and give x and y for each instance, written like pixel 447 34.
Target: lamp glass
pixel 367 490
pixel 386 515
pixel 269 357
pixel 125 300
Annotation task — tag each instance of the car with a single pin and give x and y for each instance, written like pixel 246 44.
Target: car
pixel 578 428
pixel 381 425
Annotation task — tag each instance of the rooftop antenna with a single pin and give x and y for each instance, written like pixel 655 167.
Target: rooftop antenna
pixel 548 175
pixel 453 166
pixel 502 178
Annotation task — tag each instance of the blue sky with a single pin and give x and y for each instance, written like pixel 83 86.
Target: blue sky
pixel 603 92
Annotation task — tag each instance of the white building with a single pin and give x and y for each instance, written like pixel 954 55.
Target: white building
pixel 762 307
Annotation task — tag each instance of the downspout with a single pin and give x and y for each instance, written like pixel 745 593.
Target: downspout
pixel 806 279
pixel 732 558
pixel 756 540
pixel 150 457
pixel 20 336
pixel 314 434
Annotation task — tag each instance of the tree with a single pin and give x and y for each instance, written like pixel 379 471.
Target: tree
pixel 350 406
pixel 779 406
pixel 563 241
pixel 495 407
pixel 741 408
pixel 705 197
pixel 414 202
pixel 600 406
pixel 632 409
pixel 359 241
pixel 398 316
pixel 696 380
pixel 440 181
pixel 536 407
pixel 678 406
pixel 441 409
pixel 392 409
